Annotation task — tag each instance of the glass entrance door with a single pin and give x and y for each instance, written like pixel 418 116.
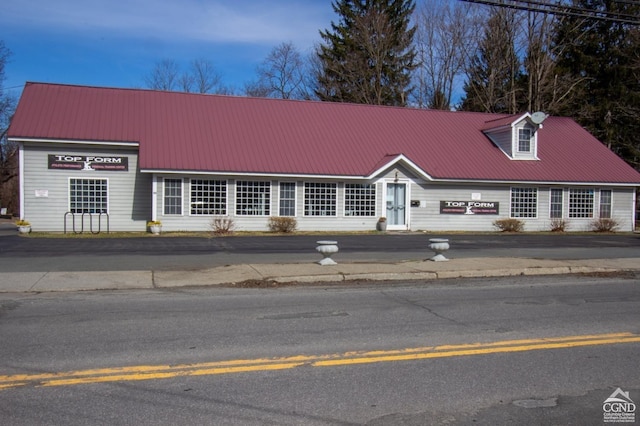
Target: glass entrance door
pixel 396 200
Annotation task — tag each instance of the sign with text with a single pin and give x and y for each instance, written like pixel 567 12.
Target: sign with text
pixel 89 162
pixel 469 207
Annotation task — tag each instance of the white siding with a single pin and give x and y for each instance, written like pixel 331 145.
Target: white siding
pixel 424 217
pixel 428 218
pixel 339 222
pixel 129 192
pixel 503 139
pixel 622 208
pixel 131 196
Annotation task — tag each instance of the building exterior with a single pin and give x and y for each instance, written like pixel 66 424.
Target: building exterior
pixel 95 157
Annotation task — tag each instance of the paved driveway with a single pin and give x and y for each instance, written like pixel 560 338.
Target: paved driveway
pixel 19 253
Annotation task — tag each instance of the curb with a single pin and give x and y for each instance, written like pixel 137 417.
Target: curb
pixel 39 282
pixel 413 276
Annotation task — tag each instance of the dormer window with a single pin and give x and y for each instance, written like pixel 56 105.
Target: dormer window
pixel 524 140
pixel 516 136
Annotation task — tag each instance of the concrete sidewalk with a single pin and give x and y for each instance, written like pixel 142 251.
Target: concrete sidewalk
pixel 256 274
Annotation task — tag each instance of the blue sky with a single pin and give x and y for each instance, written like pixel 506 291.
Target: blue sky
pixel 116 43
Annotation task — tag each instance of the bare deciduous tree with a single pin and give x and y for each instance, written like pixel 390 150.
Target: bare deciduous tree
pixel 538 63
pixel 205 78
pixel 201 77
pixel 164 76
pixel 281 75
pixel 8 151
pixel 445 33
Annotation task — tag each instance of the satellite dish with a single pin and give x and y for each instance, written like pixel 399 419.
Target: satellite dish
pixel 538 117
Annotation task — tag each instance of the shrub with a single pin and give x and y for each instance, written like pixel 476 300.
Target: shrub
pixel 604 225
pixel 509 225
pixel 559 225
pixel 282 224
pixel 222 226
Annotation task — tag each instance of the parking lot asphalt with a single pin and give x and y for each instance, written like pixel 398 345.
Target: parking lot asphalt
pixel 37 264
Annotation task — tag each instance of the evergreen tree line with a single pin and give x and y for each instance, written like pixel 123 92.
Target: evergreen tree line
pixel 444 54
pixel 455 55
pixel 583 68
pixel 438 54
pixel 8 152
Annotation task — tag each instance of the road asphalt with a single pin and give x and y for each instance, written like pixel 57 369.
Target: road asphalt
pixel 281 269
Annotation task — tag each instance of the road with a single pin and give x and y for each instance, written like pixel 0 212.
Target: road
pixel 534 350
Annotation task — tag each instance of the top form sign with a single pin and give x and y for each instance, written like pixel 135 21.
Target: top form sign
pixel 469 207
pixel 88 162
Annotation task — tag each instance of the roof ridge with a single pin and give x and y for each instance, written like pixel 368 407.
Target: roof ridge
pixel 220 133
pixel 259 98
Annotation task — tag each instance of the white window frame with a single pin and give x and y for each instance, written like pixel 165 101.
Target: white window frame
pixel 216 189
pixel 551 203
pixel 325 199
pixel 281 199
pixel 360 199
pixel 253 198
pixel 92 200
pixel 581 203
pixel 527 205
pixel 609 204
pixel 165 196
pixel 522 139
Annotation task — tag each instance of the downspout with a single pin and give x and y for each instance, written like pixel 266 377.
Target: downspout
pixel 634 210
pixel 21 194
pixel 154 197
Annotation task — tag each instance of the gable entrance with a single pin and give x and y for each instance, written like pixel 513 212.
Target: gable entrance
pixel 396 206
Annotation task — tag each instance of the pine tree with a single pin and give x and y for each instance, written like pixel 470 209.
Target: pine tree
pixel 600 67
pixel 494 75
pixel 8 150
pixel 367 57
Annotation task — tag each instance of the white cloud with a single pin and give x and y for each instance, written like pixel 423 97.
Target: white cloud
pixel 216 21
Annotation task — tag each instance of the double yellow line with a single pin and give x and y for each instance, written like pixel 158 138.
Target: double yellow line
pixel 155 372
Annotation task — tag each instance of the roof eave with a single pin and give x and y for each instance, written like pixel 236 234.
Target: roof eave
pixel 401 158
pixel 253 174
pixel 73 141
pixel 537 182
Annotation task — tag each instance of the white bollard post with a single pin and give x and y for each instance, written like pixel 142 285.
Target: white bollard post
pixel 439 245
pixel 327 248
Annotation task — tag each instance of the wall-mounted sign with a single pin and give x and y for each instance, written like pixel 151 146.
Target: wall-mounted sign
pixel 88 162
pixel 469 207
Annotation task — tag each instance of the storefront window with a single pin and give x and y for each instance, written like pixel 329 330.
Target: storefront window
pixel 320 199
pixel 359 200
pixel 253 198
pixel 88 196
pixel 524 202
pixel 208 197
pixel 581 203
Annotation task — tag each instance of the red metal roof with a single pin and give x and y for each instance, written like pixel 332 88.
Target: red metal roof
pixel 211 133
